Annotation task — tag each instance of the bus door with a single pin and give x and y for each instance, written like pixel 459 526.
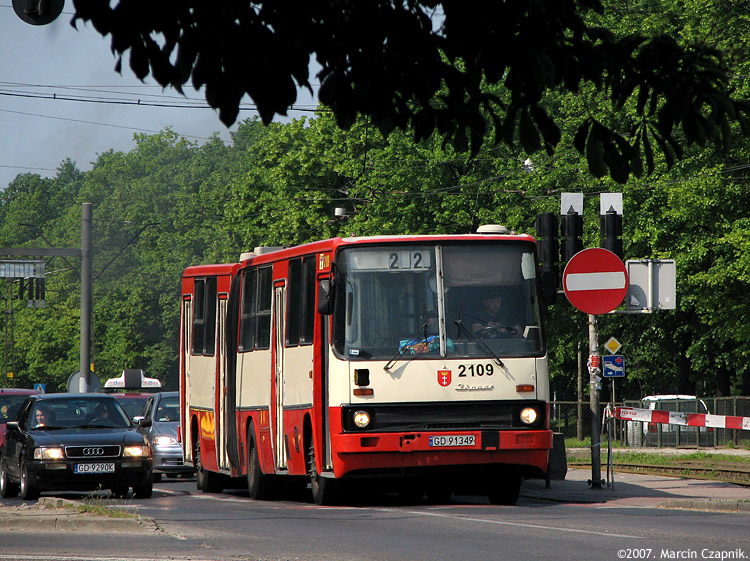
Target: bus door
pixel 278 372
pixel 185 380
pixel 222 424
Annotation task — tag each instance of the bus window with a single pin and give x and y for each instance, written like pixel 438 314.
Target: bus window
pixel 204 316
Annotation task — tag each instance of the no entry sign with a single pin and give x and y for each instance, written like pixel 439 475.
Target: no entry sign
pixel 595 281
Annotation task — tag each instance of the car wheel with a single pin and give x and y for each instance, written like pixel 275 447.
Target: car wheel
pixel 7 488
pixel 29 491
pixel 143 491
pixel 120 492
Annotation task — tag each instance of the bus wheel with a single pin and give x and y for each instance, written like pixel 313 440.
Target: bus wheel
pixel 206 481
pixel 504 488
pixel 260 486
pixel 323 488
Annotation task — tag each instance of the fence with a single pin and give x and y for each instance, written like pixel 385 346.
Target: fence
pixel 573 419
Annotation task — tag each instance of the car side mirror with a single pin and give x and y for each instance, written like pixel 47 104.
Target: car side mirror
pixel 12 426
pixel 143 422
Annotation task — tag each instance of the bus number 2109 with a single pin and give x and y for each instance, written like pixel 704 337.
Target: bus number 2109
pixel 472 370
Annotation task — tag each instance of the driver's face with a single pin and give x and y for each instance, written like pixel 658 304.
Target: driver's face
pixel 493 304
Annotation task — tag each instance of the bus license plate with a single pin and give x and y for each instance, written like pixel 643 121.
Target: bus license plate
pixel 453 440
pixel 108 467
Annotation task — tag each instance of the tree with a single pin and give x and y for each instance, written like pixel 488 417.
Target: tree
pixel 425 65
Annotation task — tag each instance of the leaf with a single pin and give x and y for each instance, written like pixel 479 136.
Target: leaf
pixel 528 134
pixel 595 152
pixel 579 140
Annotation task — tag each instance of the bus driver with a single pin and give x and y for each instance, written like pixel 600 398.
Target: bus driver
pixel 488 322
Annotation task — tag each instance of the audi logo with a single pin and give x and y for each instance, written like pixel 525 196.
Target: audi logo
pixel 93 451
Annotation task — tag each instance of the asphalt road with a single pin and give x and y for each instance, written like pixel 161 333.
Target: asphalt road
pixel 190 525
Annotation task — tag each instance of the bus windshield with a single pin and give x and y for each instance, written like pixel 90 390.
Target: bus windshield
pixel 389 301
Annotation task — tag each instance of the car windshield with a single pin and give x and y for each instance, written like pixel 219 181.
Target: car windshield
pixel 133 404
pixel 77 412
pixel 168 410
pixel 9 406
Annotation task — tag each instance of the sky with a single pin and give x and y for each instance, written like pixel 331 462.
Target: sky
pixel 43 67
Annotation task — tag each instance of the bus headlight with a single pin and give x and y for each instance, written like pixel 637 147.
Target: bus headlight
pixel 361 419
pixel 528 415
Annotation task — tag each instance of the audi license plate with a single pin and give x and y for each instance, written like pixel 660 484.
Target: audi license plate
pixel 453 440
pixel 108 467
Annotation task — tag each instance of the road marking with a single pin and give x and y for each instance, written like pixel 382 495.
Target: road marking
pixel 598 532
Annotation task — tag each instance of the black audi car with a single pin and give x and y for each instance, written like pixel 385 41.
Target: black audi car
pixel 74 442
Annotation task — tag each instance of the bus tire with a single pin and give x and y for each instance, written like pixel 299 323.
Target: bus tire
pixel 323 488
pixel 504 488
pixel 206 481
pixel 260 486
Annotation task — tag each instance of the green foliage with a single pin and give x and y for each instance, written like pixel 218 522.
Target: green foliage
pixel 432 68
pixel 170 203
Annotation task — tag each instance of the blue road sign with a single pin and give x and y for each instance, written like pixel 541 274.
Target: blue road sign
pixel 40 387
pixel 613 366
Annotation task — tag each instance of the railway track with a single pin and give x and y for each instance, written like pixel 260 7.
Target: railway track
pixel 719 471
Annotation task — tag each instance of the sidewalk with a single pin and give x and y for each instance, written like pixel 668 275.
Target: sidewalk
pixel 639 491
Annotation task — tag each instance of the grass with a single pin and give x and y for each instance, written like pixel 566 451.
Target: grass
pixel 95 504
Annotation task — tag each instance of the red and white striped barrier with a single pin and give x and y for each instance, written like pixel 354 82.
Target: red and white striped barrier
pixel 682 418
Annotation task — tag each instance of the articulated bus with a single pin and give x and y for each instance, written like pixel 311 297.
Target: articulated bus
pixel 417 362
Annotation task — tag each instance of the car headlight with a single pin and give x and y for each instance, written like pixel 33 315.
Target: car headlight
pixel 136 452
pixel 165 441
pixel 49 453
pixel 528 415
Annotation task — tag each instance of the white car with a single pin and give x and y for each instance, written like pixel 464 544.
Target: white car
pixel 648 434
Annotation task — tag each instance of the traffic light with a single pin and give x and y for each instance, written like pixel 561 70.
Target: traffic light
pixel 32 289
pixel 38 12
pixel 571 228
pixel 611 230
pixel 546 229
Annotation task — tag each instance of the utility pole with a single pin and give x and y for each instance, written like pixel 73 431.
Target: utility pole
pixel 86 300
pixel 85 253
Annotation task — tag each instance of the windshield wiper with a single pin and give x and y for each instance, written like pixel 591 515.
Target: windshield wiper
pixel 479 343
pixel 413 339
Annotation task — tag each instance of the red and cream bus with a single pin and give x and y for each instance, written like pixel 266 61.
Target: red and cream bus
pixel 368 357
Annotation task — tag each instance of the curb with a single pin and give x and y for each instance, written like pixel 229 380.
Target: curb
pixel 52 514
pixel 724 505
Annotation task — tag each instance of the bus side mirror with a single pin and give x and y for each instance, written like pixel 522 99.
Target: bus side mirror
pixel 549 287
pixel 326 295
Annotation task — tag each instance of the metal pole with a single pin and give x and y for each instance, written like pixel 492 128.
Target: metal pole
pixel 596 444
pixel 86 300
pixel 579 423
